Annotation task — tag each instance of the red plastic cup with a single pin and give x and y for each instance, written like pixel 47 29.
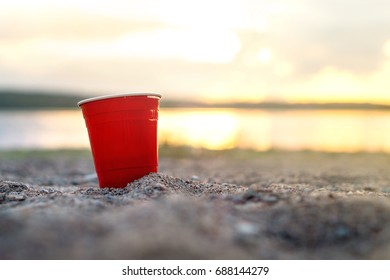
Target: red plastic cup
pixel 122 131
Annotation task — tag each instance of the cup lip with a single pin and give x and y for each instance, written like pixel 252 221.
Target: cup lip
pixel 118 95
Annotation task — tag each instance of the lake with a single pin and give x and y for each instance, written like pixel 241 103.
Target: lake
pixel 319 130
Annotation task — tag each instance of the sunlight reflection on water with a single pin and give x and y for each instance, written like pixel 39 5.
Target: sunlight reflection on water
pixel 320 130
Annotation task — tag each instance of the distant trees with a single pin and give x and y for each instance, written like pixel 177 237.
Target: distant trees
pixel 15 99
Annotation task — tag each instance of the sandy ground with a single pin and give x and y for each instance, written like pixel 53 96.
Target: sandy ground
pixel 201 205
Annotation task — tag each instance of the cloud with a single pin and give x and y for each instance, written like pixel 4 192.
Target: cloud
pixel 67 25
pixel 228 49
pixel 343 34
pixel 337 85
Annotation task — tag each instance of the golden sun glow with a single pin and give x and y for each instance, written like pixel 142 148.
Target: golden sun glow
pixel 335 85
pixel 265 55
pixel 201 45
pixel 233 90
pixel 330 131
pixel 214 130
pixel 386 49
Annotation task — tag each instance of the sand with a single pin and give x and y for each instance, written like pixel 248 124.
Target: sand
pixel 201 205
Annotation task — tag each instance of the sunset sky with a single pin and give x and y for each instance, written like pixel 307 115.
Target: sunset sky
pixel 209 50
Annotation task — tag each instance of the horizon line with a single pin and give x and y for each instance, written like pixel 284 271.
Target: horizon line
pixel 67 97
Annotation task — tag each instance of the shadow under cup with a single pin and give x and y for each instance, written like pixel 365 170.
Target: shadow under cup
pixel 122 132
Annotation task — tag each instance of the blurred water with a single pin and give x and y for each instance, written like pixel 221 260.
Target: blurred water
pixel 42 129
pixel 321 130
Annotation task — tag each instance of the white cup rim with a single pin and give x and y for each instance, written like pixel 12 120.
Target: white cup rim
pixel 118 95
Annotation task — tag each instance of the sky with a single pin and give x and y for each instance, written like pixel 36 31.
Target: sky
pixel 205 50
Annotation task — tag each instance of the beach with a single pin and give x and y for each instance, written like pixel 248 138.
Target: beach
pixel 236 204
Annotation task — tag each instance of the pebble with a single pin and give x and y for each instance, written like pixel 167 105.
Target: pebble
pixel 249 194
pixel 110 198
pixel 246 233
pixel 159 186
pixel 90 177
pixel 9 186
pixel 342 232
pixel 194 178
pixel 89 191
pixel 245 228
pixel 15 197
pixel 270 198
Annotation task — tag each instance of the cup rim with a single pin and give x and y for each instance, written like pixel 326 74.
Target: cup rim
pixel 118 95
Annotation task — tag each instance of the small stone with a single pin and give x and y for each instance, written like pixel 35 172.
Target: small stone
pixel 342 232
pixel 89 191
pixel 9 186
pixel 194 178
pixel 249 195
pixel 270 198
pixel 245 228
pixel 90 177
pixel 159 186
pixel 16 197
pixel 236 199
pixel 103 191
